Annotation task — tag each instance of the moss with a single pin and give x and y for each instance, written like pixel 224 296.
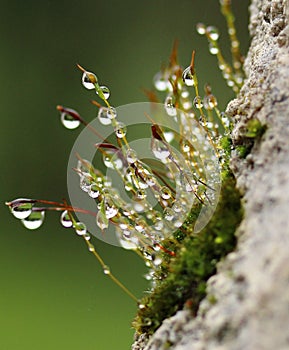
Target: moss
pixel 195 261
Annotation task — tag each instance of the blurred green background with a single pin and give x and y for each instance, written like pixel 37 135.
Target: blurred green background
pixel 53 294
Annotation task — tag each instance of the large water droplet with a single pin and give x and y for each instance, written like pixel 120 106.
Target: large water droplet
pixel 188 77
pixel 22 210
pixel 65 219
pixel 106 92
pixel 34 220
pixel 120 130
pixel 89 80
pixel 68 121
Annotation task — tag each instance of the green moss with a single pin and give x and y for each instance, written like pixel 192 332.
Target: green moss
pixel 254 129
pixel 195 261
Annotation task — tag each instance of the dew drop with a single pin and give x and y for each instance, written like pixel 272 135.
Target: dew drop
pixel 198 103
pixel 165 193
pixel 120 130
pixel 91 248
pixel 169 214
pixel 85 183
pixel 210 102
pixel 186 146
pixel 23 210
pixel 213 33
pixel 110 209
pixel 65 219
pixel 141 194
pixel 187 76
pixel 101 220
pixel 68 121
pixel 201 28
pixel 34 220
pixel 159 149
pixel 93 191
pixel 103 116
pixel 80 228
pixel 89 80
pixel 87 236
pixel 214 50
pixel 131 156
pixel 160 83
pixel 106 270
pixel 106 92
pixel 170 106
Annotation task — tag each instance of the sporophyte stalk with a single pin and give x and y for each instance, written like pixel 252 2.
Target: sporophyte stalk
pixel 168 194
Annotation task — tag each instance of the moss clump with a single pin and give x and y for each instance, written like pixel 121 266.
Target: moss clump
pixel 195 261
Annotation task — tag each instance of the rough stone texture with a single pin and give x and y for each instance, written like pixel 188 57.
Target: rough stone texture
pixel 251 287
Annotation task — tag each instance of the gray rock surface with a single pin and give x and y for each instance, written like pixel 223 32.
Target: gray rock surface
pixel 251 287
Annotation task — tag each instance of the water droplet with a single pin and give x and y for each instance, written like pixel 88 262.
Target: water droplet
pixel 123 223
pixel 106 92
pixel 201 28
pixel 22 210
pixel 187 76
pixel 157 260
pixel 131 156
pixel 210 102
pixel 111 160
pixel 169 214
pixel 110 209
pixel 141 194
pixel 186 146
pixel 103 116
pixel 93 191
pixel 214 50
pixel 120 130
pixel 91 247
pixel 159 149
pixel 89 80
pixel 169 136
pixel 80 228
pixel 177 208
pixel 140 225
pixel 213 33
pixel 151 180
pixel 198 102
pixel 87 236
pixel 106 270
pixel 68 121
pixel 170 106
pixel 65 219
pixel 166 193
pixel 101 220
pixel 85 183
pixel 34 220
pixel 160 83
